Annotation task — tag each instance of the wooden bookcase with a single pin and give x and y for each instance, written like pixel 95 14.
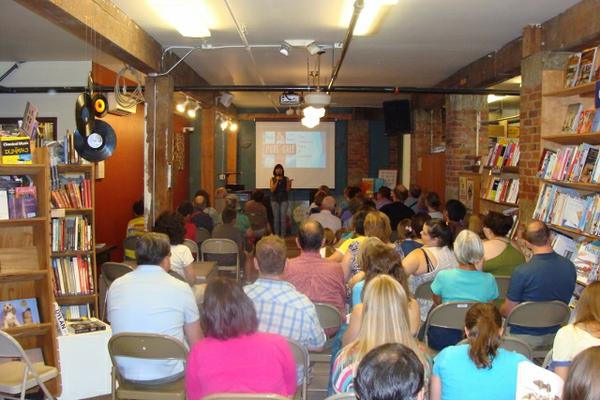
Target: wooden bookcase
pixel 25 270
pixel 91 298
pixel 555 100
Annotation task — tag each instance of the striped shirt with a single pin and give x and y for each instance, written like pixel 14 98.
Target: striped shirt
pixel 281 309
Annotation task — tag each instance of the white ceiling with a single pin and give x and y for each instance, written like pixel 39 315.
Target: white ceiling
pixel 418 43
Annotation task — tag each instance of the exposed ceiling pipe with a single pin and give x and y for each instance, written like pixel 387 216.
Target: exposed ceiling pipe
pixel 276 88
pixel 358 6
pixel 10 70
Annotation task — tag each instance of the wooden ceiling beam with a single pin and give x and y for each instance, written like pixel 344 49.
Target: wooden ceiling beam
pixel 103 25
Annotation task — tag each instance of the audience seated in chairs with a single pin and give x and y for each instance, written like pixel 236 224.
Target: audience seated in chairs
pixel 572 339
pixel 149 300
pixel 465 283
pixel 384 320
pixel 234 357
pixel 391 371
pixel 186 209
pixel 326 215
pixel 409 233
pixel 479 369
pixel 377 259
pixel 547 276
pixel 171 224
pixel 583 379
pixel 280 307
pixel 454 214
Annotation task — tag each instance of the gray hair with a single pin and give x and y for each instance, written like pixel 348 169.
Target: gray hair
pixel 152 248
pixel 468 247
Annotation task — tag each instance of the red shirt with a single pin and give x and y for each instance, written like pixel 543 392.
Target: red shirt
pixel 321 280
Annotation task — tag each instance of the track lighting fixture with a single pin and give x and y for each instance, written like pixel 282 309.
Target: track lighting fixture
pixel 182 106
pixel 191 112
pixel 224 125
pixel 285 49
pixel 313 48
pixel 233 127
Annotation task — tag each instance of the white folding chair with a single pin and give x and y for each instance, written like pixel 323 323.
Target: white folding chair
pixel 193 246
pixel 223 251
pixel 16 377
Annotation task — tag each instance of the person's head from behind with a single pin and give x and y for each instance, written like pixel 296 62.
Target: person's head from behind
pixel 258 196
pixel 417 222
pixel 455 210
pixel 384 192
pixel 153 248
pixel 205 195
pixel 186 208
pixel 496 224
pixel 172 225
pixel 351 191
pixel 310 236
pixel 391 371
pixel 278 170
pixel 436 233
pixel 468 248
pixel 583 379
pixel 229 216
pixel 433 201
pixel 358 221
pixel 414 190
pixel 318 199
pixel 537 235
pixel 228 311
pixel 404 229
pixel 400 193
pixel 483 327
pixel 199 202
pixel 328 203
pixel 329 237
pixel 231 201
pixel 378 224
pixel 376 258
pixel 270 257
pixel 138 208
pixel 588 306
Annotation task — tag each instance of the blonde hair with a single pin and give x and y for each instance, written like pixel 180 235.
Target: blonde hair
pixel 588 306
pixel 378 224
pixel 384 320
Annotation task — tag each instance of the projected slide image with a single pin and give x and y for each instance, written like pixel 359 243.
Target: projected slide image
pixel 295 149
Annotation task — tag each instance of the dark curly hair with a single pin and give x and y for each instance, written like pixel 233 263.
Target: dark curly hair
pixel 171 224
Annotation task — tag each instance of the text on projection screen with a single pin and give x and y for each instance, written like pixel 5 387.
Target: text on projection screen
pixel 307 155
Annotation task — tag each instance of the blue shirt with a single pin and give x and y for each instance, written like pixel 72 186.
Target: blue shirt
pixel 281 309
pixel 462 285
pixel 545 277
pixel 357 292
pixel 149 300
pixel 462 380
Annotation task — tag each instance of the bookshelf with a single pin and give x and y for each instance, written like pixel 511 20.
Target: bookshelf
pixel 72 240
pixel 25 262
pixel 574 180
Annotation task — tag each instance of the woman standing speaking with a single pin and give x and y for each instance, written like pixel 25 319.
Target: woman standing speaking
pixel 280 186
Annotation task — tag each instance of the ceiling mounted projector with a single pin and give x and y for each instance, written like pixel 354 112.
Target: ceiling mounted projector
pixel 317 99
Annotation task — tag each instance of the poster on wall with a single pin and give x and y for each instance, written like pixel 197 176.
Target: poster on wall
pixel 390 177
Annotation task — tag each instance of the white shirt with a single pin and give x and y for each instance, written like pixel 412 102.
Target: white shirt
pixel 570 341
pixel 149 300
pixel 327 220
pixel 181 257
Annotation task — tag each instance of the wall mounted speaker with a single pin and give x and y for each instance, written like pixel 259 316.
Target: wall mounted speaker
pixel 397 117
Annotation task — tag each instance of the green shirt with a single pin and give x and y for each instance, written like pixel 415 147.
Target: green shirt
pixel 504 263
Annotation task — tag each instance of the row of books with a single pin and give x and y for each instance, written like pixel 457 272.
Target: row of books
pixel 571 163
pixel 578 120
pixel 505 190
pixel 18 202
pixel 76 311
pixel 582 68
pixel 72 275
pixel 72 233
pixel 569 208
pixel 505 153
pixel 585 256
pixel 73 191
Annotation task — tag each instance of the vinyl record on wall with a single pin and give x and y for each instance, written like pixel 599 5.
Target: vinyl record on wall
pixel 97 146
pixel 84 114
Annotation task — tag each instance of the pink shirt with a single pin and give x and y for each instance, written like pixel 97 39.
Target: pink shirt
pixel 321 280
pixel 256 363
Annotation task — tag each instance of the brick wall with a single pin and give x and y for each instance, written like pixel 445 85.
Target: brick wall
pixel 358 151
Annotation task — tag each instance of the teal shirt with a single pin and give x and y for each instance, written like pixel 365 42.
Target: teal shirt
pixel 462 285
pixel 462 380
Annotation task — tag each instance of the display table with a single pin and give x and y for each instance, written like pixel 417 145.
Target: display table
pixel 84 364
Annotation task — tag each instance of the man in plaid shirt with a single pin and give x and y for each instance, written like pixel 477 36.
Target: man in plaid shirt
pixel 281 309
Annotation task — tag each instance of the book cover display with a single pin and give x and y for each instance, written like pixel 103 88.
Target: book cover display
pixel 19 312
pixel 15 150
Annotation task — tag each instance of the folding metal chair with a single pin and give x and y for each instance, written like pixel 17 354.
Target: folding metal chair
pixel 330 319
pixel 111 271
pixel 225 252
pixel 303 361
pixel 193 246
pixel 449 315
pixel 16 377
pixel 145 346
pixel 512 344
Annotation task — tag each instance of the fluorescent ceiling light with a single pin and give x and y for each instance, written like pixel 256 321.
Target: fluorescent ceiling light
pixel 189 17
pixel 369 16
